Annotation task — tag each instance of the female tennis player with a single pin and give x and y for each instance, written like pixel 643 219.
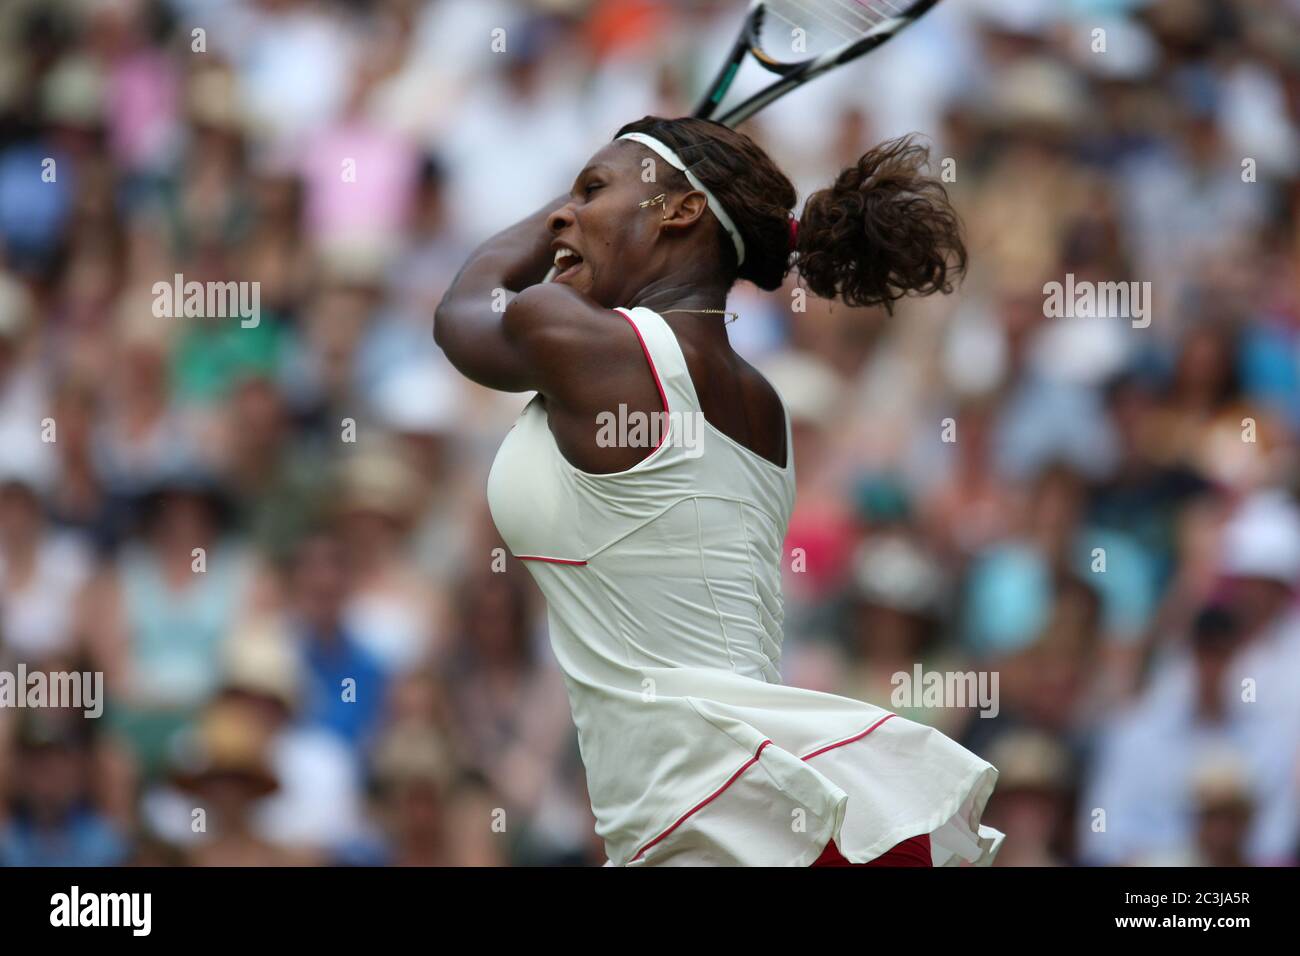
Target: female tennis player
pixel 661 563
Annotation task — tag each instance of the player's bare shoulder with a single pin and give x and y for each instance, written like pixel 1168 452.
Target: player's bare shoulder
pixel 573 343
pixel 553 315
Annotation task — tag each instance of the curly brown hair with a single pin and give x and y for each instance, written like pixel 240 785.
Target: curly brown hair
pixel 884 229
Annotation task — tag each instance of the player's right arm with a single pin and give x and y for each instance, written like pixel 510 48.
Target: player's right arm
pixel 502 326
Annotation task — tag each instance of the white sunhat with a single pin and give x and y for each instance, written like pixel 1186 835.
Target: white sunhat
pixel 810 388
pixel 895 573
pixel 1262 539
pixel 420 398
pixel 1131 52
pixel 15 308
pixel 1026 17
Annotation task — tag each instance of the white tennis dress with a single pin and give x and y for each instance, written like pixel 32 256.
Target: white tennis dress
pixel 664 590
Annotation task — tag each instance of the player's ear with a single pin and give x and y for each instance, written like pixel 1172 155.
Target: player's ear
pixel 685 211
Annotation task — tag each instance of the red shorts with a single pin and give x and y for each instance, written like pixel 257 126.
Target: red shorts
pixel 913 852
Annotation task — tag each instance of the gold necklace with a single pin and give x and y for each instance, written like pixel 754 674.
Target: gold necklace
pixel 733 315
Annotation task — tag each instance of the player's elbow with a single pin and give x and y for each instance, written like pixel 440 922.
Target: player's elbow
pixel 444 322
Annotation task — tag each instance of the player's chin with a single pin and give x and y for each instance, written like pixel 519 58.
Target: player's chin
pixel 579 277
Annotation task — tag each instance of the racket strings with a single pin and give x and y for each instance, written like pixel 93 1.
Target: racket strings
pixel 805 15
pixel 864 13
pixel 858 15
pixel 826 23
pixel 877 10
pixel 883 9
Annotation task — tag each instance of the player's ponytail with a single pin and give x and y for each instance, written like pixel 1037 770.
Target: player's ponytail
pixel 883 230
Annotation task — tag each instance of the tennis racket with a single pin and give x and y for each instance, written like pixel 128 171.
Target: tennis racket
pixel 802 39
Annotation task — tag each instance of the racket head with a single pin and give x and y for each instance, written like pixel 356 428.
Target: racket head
pixel 802 39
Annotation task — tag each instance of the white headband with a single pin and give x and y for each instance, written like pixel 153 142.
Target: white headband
pixel 674 161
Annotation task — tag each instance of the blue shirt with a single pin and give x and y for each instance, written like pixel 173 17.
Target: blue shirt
pixel 82 839
pixel 329 663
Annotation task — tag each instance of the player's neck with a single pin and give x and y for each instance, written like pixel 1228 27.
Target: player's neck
pixel 672 293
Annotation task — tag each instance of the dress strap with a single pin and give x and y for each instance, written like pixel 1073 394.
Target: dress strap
pixel 665 357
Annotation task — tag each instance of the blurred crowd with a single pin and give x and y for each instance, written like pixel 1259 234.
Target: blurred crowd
pixel 271 537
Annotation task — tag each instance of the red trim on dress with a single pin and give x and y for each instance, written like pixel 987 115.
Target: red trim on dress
pixel 653 371
pixel 706 801
pixel 752 760
pixel 851 739
pixel 663 435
